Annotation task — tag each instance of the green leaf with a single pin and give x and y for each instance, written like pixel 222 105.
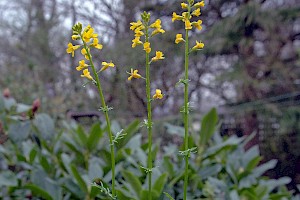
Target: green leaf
pixel 72 187
pixel 32 155
pixel 81 136
pixel 9 103
pixel 160 183
pixel 79 179
pixel 21 108
pixel 45 125
pixel 2 107
pixel 95 134
pixel 144 195
pixel 45 164
pixel 134 182
pixel 253 163
pixel 174 130
pixel 19 131
pixel 208 126
pixel 169 196
pixel 8 178
pixel 37 191
pixel 168 165
pixel 264 167
pixel 130 130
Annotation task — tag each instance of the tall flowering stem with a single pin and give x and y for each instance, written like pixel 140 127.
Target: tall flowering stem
pixel 142 28
pixel 90 40
pixel 191 9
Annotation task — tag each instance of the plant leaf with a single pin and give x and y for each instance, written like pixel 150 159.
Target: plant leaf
pixel 208 126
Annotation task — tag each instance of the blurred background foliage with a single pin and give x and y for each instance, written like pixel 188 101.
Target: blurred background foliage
pixel 250 66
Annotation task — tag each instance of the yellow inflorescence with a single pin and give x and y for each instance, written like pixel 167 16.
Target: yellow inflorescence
pixel 89 40
pixel 191 10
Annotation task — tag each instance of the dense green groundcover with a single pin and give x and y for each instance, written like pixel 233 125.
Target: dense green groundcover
pixel 39 161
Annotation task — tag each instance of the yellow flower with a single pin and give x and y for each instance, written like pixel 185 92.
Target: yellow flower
pixel 105 65
pixel 197 24
pixel 84 52
pixel 135 25
pixel 158 56
pixel 147 47
pixel 96 44
pixel 158 30
pixel 136 41
pixel 196 12
pixel 156 24
pixel 184 6
pixel 199 45
pixel 86 74
pixel 179 38
pixel 188 25
pixel 134 74
pixel 71 49
pixel 75 37
pixel 158 94
pixel 138 33
pixel 199 4
pixel 186 16
pixel 88 33
pixel 82 65
pixel 176 17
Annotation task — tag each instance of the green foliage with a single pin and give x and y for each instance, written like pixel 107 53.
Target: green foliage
pixel 74 163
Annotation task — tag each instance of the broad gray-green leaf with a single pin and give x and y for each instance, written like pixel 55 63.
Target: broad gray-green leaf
pixel 19 131
pixel 21 108
pixel 8 178
pixel 174 130
pixel 45 126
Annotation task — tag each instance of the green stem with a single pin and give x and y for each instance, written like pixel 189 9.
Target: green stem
pixel 186 110
pixel 110 135
pixel 149 109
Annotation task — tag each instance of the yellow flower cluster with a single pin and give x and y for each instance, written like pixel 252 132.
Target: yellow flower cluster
pixel 89 40
pixel 141 28
pixel 191 9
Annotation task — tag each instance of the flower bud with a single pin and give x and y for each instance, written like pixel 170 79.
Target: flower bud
pixel 6 93
pixel 35 106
